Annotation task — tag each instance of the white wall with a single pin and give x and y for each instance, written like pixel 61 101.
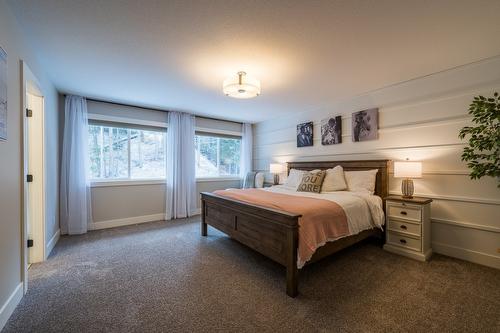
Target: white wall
pixel 419 119
pixel 17 47
pixel 129 204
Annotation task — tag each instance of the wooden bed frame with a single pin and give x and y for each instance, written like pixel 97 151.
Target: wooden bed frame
pixel 274 233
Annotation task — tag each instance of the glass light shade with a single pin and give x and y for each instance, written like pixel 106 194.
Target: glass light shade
pixel 275 168
pixel 405 169
pixel 241 86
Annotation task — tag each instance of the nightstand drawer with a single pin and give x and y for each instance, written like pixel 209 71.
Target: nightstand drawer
pixel 406 227
pixel 405 212
pixel 404 241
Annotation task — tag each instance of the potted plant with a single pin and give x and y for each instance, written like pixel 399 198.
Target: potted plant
pixel 483 151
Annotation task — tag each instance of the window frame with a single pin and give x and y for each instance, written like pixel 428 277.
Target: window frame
pixel 160 125
pixel 219 134
pixel 123 122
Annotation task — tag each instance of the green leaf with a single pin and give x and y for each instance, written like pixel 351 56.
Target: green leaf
pixel 482 154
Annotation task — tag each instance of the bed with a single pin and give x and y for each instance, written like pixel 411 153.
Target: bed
pixel 275 232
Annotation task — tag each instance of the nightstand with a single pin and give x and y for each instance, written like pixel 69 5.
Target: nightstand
pixel 408 227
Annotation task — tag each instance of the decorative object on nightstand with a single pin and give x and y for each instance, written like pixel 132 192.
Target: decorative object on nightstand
pixel 407 170
pixel 276 169
pixel 408 227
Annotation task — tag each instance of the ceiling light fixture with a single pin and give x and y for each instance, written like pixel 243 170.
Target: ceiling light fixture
pixel 241 86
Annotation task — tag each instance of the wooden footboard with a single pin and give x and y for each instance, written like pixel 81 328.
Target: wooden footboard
pixel 271 232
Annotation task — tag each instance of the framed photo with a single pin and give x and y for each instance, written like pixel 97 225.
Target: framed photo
pixel 305 134
pixel 365 125
pixel 3 94
pixel 331 131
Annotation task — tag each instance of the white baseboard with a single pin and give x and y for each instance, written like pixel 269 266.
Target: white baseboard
pixel 468 255
pixel 131 220
pixel 125 221
pixel 52 242
pixel 408 253
pixel 10 305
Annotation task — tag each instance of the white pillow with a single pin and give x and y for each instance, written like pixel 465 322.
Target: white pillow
pixel 259 180
pixel 294 178
pixel 361 181
pixel 334 180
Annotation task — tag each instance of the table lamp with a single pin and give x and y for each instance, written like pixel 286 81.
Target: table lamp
pixel 407 170
pixel 276 169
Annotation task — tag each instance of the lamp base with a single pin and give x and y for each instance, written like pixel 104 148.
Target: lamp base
pixel 407 188
pixel 276 179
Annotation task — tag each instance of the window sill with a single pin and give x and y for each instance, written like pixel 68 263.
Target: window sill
pixel 126 182
pixel 216 179
pixel 137 182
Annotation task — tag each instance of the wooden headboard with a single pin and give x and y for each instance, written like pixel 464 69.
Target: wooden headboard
pixel 382 180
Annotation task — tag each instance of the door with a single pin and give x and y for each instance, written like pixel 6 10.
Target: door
pixel 34 178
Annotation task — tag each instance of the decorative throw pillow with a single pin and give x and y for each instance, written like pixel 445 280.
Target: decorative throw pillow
pixel 334 180
pixel 361 181
pixel 294 178
pixel 311 182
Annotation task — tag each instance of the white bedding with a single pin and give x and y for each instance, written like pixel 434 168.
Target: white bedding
pixel 363 210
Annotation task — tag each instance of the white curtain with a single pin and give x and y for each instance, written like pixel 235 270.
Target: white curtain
pixel 246 150
pixel 75 191
pixel 181 182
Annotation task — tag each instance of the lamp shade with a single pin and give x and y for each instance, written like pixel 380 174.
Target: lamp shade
pixel 275 168
pixel 241 86
pixel 405 169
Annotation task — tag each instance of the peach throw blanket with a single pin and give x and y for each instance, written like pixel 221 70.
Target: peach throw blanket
pixel 321 221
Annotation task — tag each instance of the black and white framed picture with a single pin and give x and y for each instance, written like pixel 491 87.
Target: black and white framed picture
pixel 3 94
pixel 305 134
pixel 365 125
pixel 331 131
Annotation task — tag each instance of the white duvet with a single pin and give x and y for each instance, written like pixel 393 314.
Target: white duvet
pixel 363 210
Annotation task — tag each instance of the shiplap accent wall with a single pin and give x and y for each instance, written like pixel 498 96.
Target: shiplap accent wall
pixel 418 119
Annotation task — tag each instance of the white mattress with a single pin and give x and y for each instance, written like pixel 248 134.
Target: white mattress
pixel 363 210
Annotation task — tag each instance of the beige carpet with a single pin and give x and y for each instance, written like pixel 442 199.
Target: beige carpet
pixel 163 276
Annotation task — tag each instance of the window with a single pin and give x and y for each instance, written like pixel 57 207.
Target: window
pixel 126 153
pixel 217 156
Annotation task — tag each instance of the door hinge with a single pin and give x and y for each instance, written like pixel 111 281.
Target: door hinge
pixel 30 243
pixel 29 178
pixel 29 113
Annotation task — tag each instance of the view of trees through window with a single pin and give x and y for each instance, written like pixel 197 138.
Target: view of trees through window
pixel 217 156
pixel 123 153
pixel 128 153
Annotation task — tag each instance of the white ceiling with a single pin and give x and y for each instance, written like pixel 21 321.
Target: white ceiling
pixel 308 54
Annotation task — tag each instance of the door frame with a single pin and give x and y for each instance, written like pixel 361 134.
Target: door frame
pixel 30 84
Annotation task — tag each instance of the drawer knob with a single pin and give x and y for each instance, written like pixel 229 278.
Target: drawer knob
pixel 403 212
pixel 403 241
pixel 403 227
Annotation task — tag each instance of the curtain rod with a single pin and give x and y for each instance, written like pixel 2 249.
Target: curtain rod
pixel 154 109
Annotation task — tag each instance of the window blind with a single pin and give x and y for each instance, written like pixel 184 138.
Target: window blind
pixel 126 125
